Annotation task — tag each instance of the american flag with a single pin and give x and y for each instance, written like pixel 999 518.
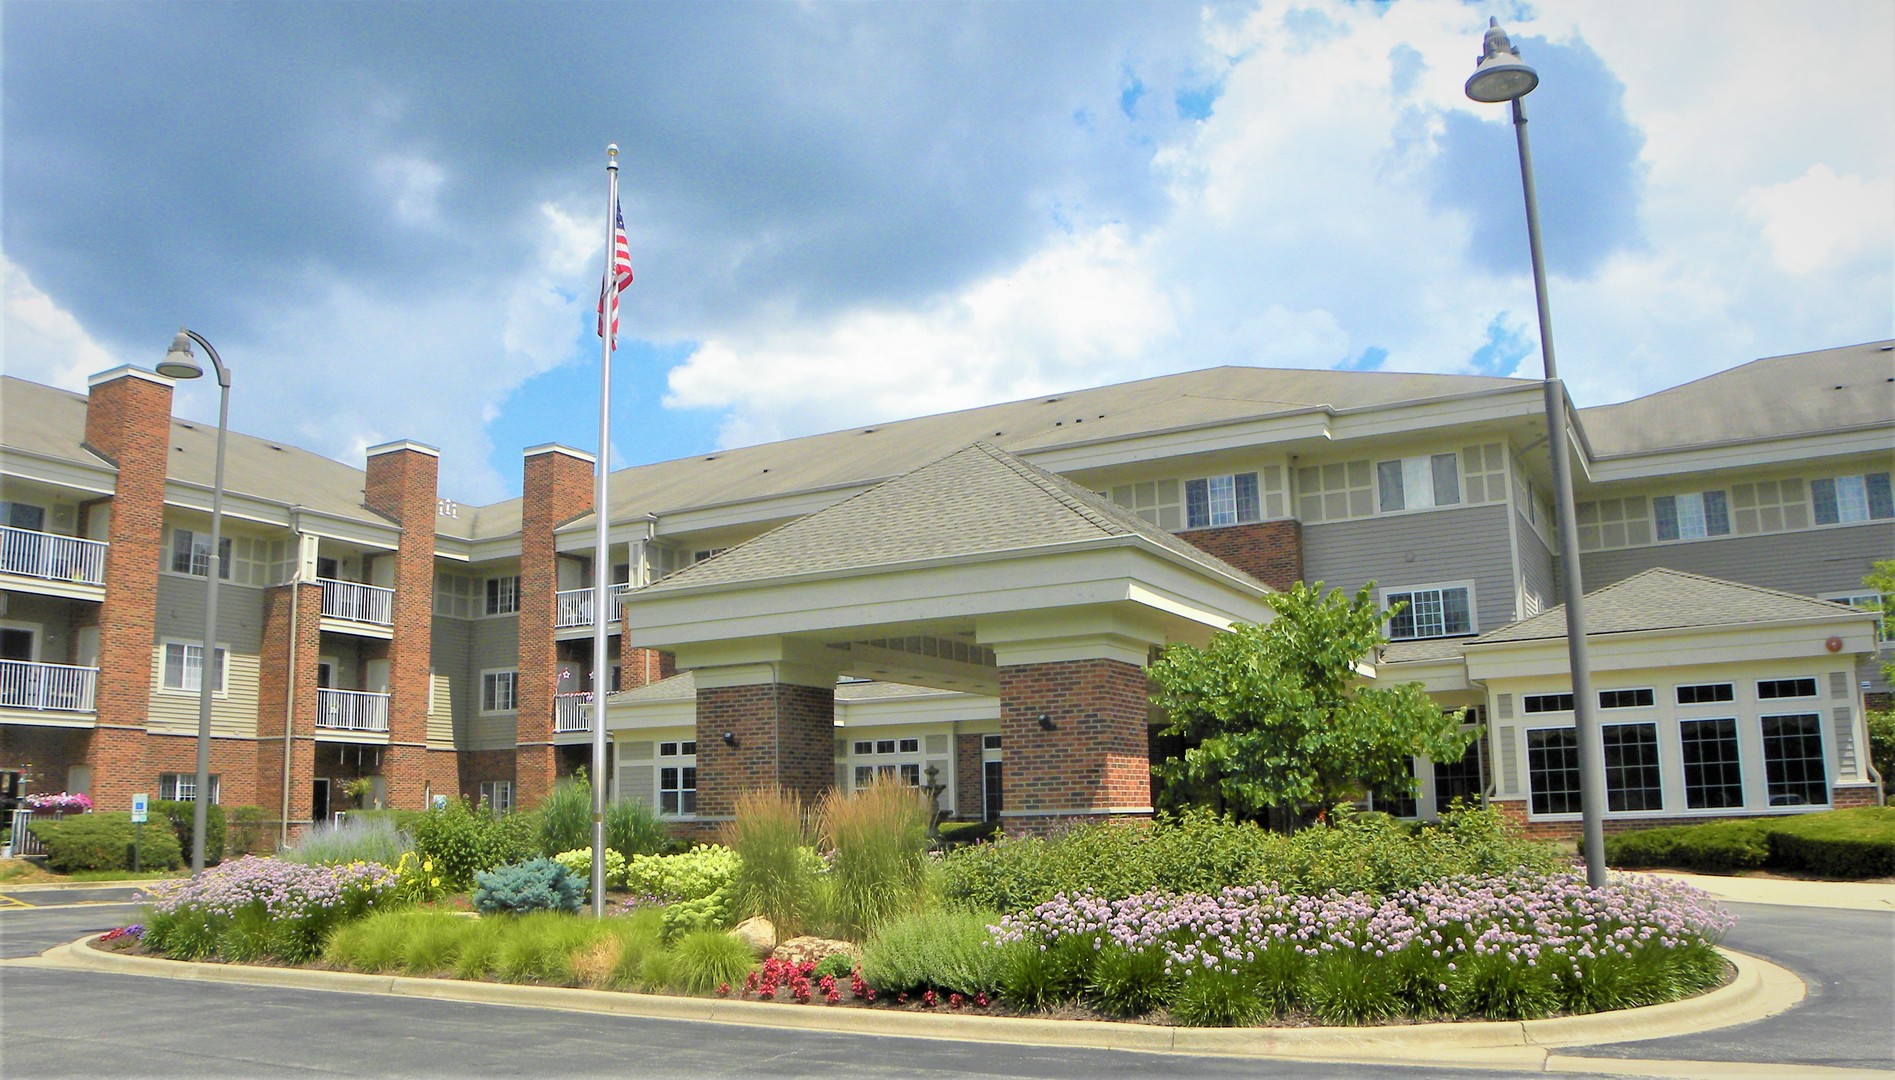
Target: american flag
pixel 619 277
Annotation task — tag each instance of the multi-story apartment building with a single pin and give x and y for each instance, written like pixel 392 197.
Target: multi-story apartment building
pixel 965 600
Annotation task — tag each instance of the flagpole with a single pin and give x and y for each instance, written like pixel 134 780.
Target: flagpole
pixel 601 515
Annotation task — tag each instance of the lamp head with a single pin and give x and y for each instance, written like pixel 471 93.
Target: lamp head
pixel 179 363
pixel 1500 76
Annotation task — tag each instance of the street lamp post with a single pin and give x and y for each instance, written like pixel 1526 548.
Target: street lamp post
pixel 179 363
pixel 1501 76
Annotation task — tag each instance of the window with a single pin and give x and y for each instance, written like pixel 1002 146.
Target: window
pixel 497 794
pixel 990 742
pixel 677 788
pixel 1769 689
pixel 1545 703
pixel 191 554
pixel 1396 799
pixel 1430 613
pixel 686 748
pixel 1625 699
pixel 1706 693
pixel 499 691
pixel 1221 500
pixel 1867 601
pixel 1793 761
pixel 864 776
pixel 1465 779
pixel 184 665
pixel 884 746
pixel 1631 767
pixel 503 595
pixel 701 554
pixel 1846 500
pixel 1691 517
pixel 1418 483
pixel 911 774
pixel 1553 770
pixel 864 746
pixel 182 787
pixel 1713 773
pixel 990 802
pixel 19 515
pixel 910 746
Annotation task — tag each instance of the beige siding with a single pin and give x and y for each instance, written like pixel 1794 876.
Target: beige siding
pixel 1464 544
pixel 449 703
pixel 234 713
pixel 1812 562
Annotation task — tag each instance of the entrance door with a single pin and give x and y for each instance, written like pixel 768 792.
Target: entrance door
pixel 319 805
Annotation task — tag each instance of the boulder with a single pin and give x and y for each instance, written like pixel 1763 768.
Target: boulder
pixel 758 933
pixel 812 950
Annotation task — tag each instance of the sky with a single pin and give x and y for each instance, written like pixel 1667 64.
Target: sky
pixel 391 218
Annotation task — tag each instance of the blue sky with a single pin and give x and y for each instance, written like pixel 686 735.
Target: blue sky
pixel 390 217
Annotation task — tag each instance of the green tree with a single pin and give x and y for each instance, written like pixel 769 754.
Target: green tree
pixel 1881 578
pixel 1276 715
pixel 1882 722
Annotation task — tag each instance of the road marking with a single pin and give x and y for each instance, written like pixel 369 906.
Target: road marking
pixel 8 901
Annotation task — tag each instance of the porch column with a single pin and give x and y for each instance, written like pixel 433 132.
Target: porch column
pixel 764 721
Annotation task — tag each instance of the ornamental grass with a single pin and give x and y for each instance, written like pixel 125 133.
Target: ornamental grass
pixel 876 840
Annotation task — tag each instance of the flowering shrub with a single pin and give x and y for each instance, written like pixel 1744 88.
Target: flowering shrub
pixel 254 908
pixel 418 880
pixel 1496 947
pixel 61 802
pixel 134 932
pixel 579 865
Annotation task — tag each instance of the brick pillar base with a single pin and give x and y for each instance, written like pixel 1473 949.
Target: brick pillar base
pixel 783 733
pixel 1842 798
pixel 535 770
pixel 967 773
pixel 405 772
pixel 1094 761
pixel 117 757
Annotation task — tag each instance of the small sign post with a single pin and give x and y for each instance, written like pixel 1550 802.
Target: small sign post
pixel 141 809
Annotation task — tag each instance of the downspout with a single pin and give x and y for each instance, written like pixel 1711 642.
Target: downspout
pixel 289 698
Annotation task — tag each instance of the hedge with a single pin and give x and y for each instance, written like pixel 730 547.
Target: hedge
pixel 182 816
pixel 103 841
pixel 1854 843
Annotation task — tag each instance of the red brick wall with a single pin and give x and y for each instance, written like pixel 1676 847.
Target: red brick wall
pixel 42 756
pixel 401 487
pixel 1270 551
pixel 967 768
pixel 233 762
pixel 274 692
pixel 785 735
pixel 1842 798
pixel 557 489
pixel 479 765
pixel 1095 758
pixel 644 667
pixel 128 422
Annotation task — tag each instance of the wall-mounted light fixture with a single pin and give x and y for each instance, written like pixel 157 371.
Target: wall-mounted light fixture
pixel 1046 722
pixel 730 738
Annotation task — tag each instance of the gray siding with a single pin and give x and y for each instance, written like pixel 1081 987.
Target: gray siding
pixel 1466 544
pixel 493 643
pixel 239 612
pixel 1817 561
pixel 1536 570
pixel 57 620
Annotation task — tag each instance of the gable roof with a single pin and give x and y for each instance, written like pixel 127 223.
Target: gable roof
pixel 979 500
pixel 1662 599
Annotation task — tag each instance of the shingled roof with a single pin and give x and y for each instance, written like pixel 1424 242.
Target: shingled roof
pixel 979 500
pixel 1662 599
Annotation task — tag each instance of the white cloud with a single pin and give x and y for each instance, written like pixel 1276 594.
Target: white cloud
pixel 1821 220
pixel 42 341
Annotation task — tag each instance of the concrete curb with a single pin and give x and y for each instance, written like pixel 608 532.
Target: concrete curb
pixel 1761 989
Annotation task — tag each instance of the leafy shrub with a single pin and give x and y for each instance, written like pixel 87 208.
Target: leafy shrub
pixel 1717 847
pixel 356 838
pixel 246 834
pixel 535 885
pixel 776 869
pixel 464 840
pixel 1842 844
pixel 579 865
pixel 418 880
pixel 957 833
pixel 1882 745
pixel 103 841
pixel 836 965
pixel 254 907
pixel 702 959
pixel 181 816
pixel 941 949
pixel 877 841
pixel 697 887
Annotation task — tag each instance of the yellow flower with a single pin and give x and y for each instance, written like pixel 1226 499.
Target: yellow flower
pixel 427 865
pixel 436 883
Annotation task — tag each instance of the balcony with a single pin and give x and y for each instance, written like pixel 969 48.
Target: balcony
pixel 573 607
pixel 354 606
pixel 351 710
pixel 51 688
pixel 70 565
pixel 571 713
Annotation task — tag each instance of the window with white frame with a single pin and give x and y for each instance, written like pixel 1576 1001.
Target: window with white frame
pixel 1626 699
pixel 677 777
pixel 1553 770
pixel 1774 689
pixel 1793 765
pixel 1430 612
pixel 1692 516
pixel 497 794
pixel 1546 703
pixel 184 666
pixel 191 554
pixel 503 595
pixel 19 515
pixel 1847 500
pixel 1632 780
pixel 182 787
pixel 499 691
pixel 1417 483
pixel 1713 769
pixel 1213 501
pixel 1706 693
pixel 1465 779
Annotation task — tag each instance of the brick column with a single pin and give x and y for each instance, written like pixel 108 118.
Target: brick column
pixel 1093 762
pixel 286 691
pixel 400 486
pixel 558 489
pixel 967 777
pixel 784 734
pixel 1270 551
pixel 128 423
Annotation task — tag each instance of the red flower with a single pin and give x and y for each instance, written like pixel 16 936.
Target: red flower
pixel 723 989
pixel 927 999
pixel 955 1001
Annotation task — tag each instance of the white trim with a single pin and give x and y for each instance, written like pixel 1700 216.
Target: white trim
pixel 1473 608
pixel 402 444
pixel 124 370
pixel 481 701
pixel 559 448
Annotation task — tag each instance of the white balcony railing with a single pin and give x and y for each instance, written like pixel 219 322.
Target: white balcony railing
pixel 51 687
pixel 357 602
pixel 572 712
pixel 53 557
pixel 351 710
pixel 573 607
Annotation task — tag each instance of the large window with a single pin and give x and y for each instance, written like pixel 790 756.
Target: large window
pixel 677 777
pixel 1693 516
pixel 1631 767
pixel 1417 483
pixel 1713 773
pixel 499 691
pixel 182 787
pixel 497 794
pixel 456 596
pixel 1553 770
pixel 1465 779
pixel 19 515
pixel 1793 760
pixel 191 554
pixel 1436 611
pixel 1221 500
pixel 1546 703
pixel 503 595
pixel 184 666
pixel 1846 500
